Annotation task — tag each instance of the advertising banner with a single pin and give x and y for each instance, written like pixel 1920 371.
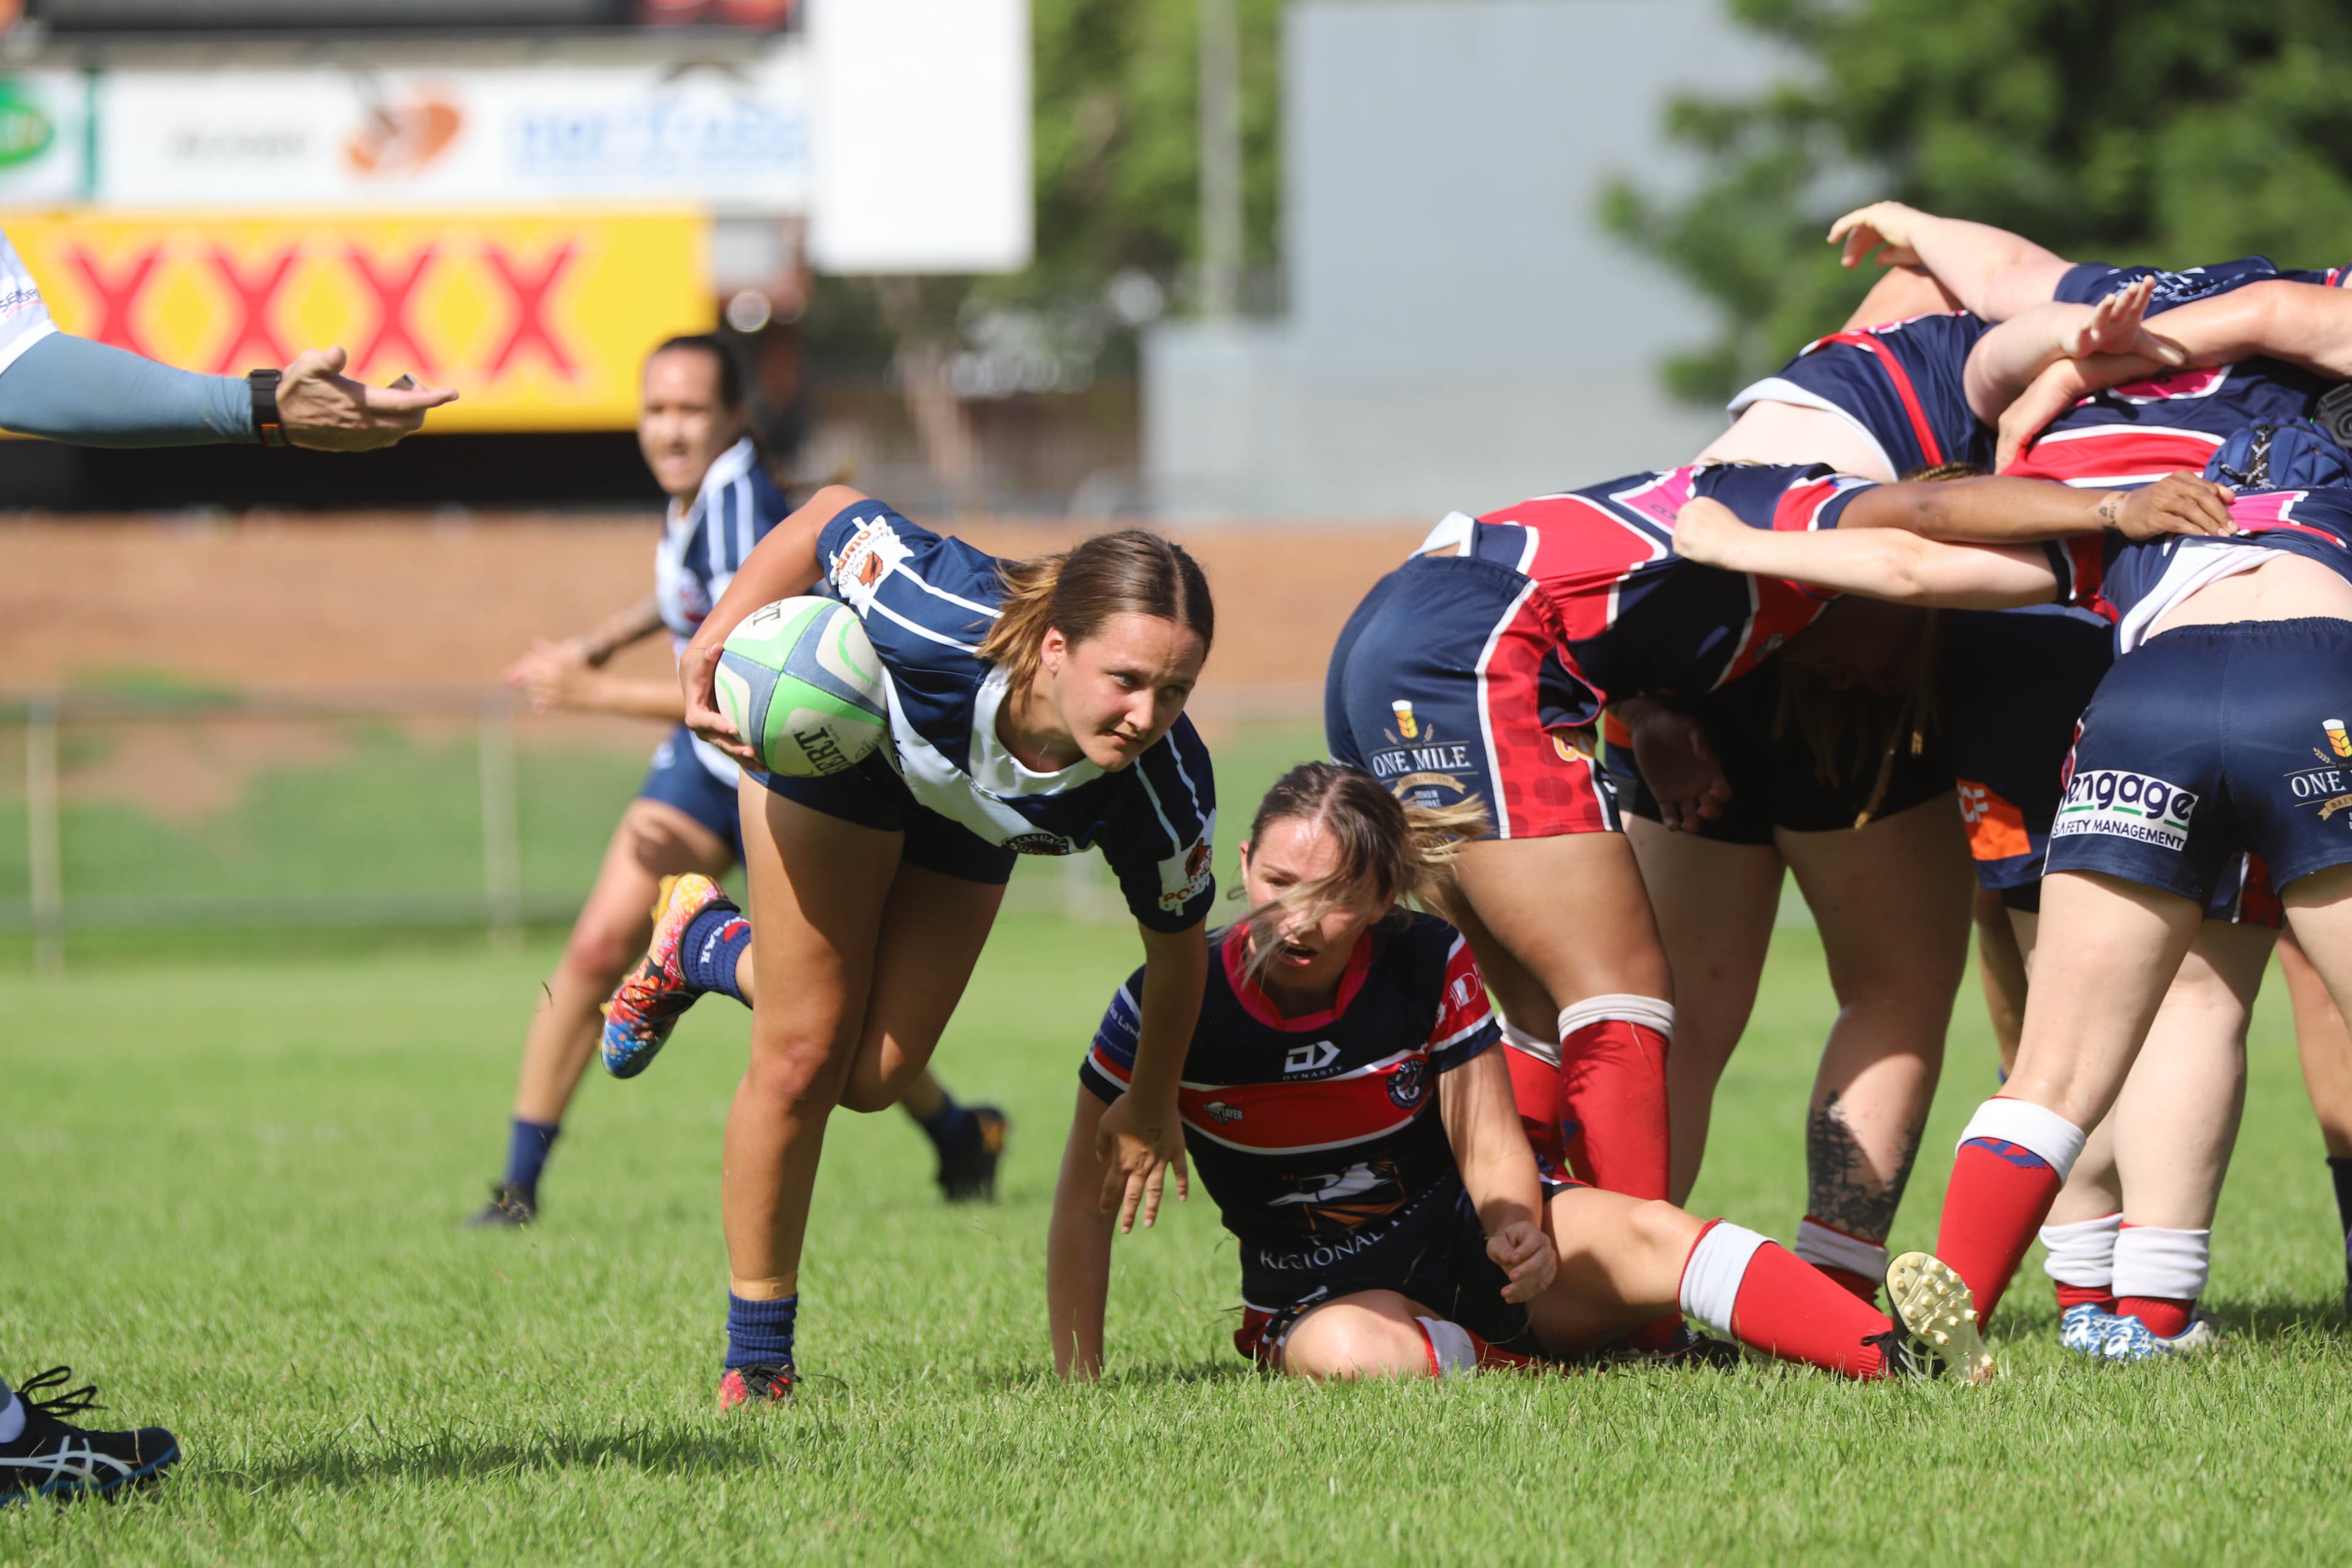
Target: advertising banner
pixel 44 136
pixel 541 319
pixel 733 138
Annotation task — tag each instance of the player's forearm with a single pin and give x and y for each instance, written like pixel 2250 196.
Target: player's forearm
pixel 780 566
pixel 1175 976
pixel 620 629
pixel 1900 567
pixel 2302 323
pixel 1990 510
pixel 67 388
pixel 1490 1147
pixel 1992 272
pixel 629 699
pixel 2006 360
pixel 1078 1243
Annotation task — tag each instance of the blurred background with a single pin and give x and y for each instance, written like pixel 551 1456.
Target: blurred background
pixel 1288 279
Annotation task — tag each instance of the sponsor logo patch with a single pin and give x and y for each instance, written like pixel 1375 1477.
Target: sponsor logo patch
pixel 1040 844
pixel 1309 1059
pixel 1197 879
pixel 865 560
pixel 1409 1082
pixel 2126 805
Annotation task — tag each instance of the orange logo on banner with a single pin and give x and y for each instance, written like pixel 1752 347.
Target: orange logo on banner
pixel 542 322
pixel 1995 828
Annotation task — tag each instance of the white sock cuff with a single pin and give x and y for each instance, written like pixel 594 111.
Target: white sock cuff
pixel 2081 1254
pixel 1824 1246
pixel 2173 1264
pixel 1450 1349
pixel 1623 1005
pixel 2057 1142
pixel 12 1416
pixel 1712 1273
pixel 1543 1050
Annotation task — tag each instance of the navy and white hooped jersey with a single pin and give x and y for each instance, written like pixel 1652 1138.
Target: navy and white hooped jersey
pixel 1319 1136
pixel 1903 386
pixel 24 316
pixel 2132 583
pixel 2088 282
pixel 701 546
pixel 927 602
pixel 1634 616
pixel 2136 433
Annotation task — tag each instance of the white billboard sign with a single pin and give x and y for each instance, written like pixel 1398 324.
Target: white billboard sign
pixel 734 138
pixel 44 138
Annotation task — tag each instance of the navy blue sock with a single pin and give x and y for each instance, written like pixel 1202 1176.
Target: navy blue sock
pixel 947 1124
pixel 713 942
pixel 2340 1170
pixel 527 1150
pixel 760 1332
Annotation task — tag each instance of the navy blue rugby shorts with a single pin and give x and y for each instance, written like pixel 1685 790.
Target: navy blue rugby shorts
pixel 677 778
pixel 2210 743
pixel 871 794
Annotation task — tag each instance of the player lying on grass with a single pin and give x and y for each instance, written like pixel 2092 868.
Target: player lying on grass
pixel 2217 732
pixel 71 389
pixel 690 428
pixel 1036 707
pixel 1350 1115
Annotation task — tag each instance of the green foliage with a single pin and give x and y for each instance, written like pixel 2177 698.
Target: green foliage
pixel 2164 131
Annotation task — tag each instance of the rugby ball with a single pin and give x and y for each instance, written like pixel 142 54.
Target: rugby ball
pixel 801 683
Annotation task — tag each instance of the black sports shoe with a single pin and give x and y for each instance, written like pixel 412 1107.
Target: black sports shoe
pixel 1690 1348
pixel 766 1382
pixel 510 1204
pixel 968 1166
pixel 50 1459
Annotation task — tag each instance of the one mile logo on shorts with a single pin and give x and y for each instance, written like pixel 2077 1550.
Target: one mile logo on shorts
pixel 2126 805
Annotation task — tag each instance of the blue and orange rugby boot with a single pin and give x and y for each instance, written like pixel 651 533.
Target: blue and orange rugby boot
pixel 649 1002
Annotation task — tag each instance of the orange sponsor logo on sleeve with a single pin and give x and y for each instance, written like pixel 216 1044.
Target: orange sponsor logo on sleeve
pixel 1995 828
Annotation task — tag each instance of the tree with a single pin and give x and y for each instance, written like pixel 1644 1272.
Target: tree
pixel 2170 133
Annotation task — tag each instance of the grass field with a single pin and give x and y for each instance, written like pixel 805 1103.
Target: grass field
pixel 235 1189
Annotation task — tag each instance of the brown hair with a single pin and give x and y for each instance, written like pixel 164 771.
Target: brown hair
pixel 1872 722
pixel 1402 851
pixel 1131 572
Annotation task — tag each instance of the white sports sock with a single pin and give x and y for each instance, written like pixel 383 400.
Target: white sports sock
pixel 1543 1050
pixel 12 1419
pixel 2050 1137
pixel 2082 1254
pixel 2171 1265
pixel 1623 1005
pixel 1712 1273
pixel 1825 1247
pixel 1450 1349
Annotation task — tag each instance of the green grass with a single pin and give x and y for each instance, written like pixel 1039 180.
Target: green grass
pixel 234 1194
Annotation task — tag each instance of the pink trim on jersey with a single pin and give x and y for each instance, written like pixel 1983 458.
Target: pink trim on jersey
pixel 2166 388
pixel 1234 951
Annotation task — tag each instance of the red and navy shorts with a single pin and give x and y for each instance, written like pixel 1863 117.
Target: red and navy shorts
pixel 1447 686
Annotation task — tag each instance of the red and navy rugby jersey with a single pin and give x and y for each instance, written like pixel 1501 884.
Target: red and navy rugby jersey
pixel 1903 385
pixel 2088 282
pixel 2111 574
pixel 1634 616
pixel 2134 433
pixel 1319 1136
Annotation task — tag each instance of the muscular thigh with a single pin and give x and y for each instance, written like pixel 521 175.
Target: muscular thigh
pixel 819 887
pixel 1571 908
pixel 932 930
pixel 1892 901
pixel 1715 904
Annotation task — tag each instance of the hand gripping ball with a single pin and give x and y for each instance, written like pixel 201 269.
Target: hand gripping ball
pixel 802 685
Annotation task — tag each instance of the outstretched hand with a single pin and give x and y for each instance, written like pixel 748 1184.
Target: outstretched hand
pixel 1881 224
pixel 321 408
pixel 1138 1147
pixel 1520 1249
pixel 552 675
pixel 2117 325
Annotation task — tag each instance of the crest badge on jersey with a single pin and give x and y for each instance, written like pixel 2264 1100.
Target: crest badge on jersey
pixel 869 557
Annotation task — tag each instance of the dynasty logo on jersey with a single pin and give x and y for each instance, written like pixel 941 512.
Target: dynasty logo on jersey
pixel 2126 805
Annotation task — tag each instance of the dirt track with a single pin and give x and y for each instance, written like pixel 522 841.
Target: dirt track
pixel 423 601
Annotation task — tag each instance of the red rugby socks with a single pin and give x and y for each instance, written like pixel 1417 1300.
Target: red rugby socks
pixel 2013 1157
pixel 2159 1274
pixel 1454 1349
pixel 1611 1107
pixel 1738 1283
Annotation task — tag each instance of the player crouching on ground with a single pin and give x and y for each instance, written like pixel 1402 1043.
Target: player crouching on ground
pixel 1351 1118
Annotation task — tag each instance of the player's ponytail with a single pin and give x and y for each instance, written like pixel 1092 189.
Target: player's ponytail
pixel 1403 852
pixel 1131 572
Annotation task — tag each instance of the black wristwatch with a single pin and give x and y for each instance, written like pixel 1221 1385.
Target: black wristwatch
pixel 267 426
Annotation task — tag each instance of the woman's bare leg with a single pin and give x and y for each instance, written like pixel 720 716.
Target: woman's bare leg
pixel 652 840
pixel 2000 969
pixel 1892 901
pixel 1371 1333
pixel 1715 904
pixel 2324 1045
pixel 2176 1122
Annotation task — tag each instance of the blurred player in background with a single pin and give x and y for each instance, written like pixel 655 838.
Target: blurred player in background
pixel 67 388
pixel 723 502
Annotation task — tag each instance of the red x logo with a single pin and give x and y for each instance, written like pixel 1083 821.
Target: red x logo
pixel 254 296
pixel 395 333
pixel 116 295
pixel 530 293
